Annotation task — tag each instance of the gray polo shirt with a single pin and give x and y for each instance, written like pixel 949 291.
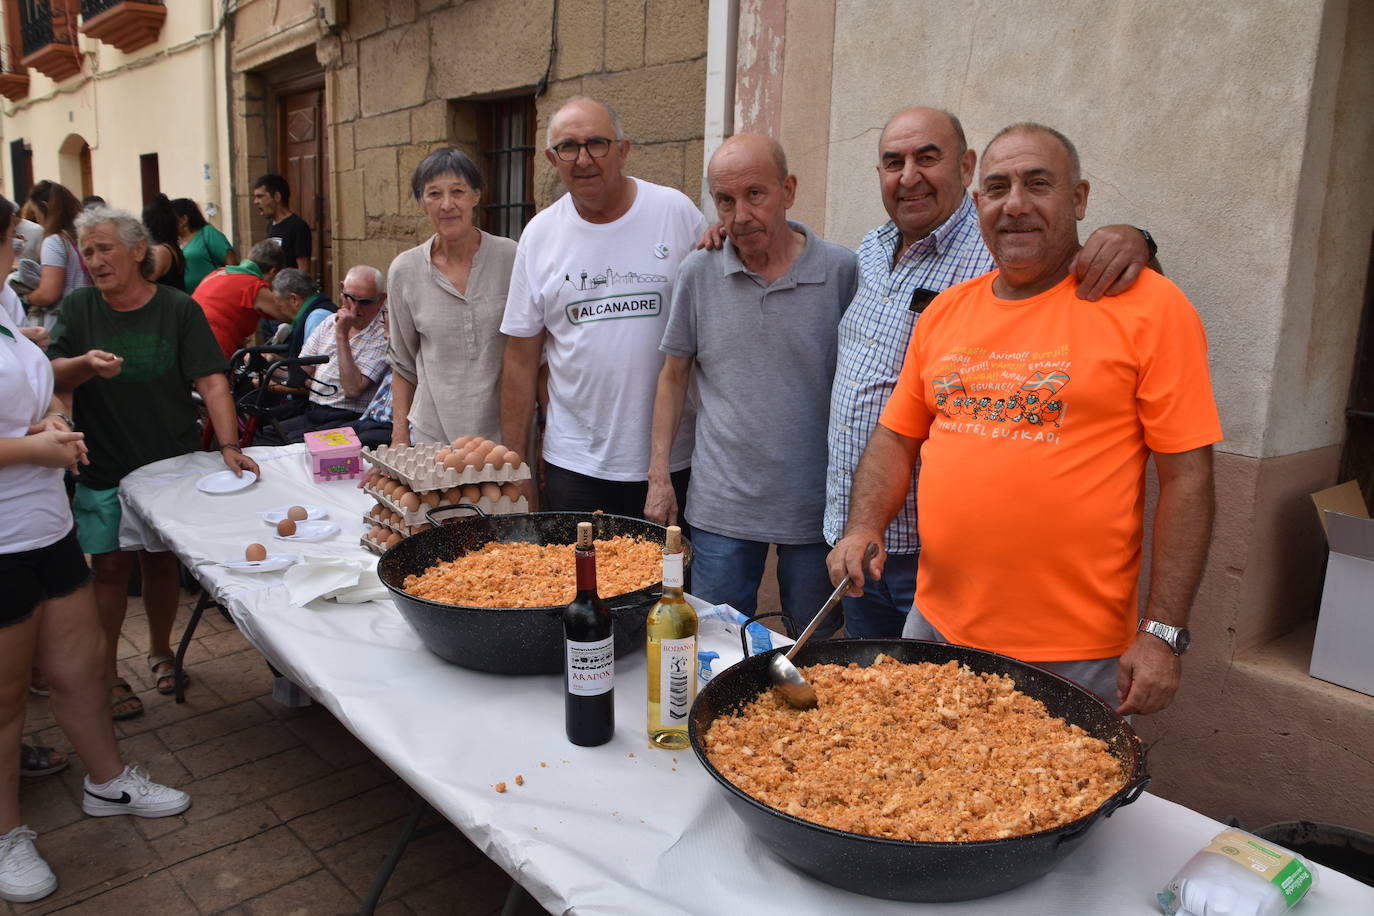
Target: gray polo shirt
pixel 764 358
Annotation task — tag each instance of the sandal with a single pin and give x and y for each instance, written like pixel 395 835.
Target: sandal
pixel 124 697
pixel 166 679
pixel 37 760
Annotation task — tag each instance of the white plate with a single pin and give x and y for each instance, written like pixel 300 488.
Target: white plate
pixel 311 531
pixel 274 562
pixel 272 516
pixel 225 481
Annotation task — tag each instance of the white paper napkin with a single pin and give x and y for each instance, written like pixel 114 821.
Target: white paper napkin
pixel 346 581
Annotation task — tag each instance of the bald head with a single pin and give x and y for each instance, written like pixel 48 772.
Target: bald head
pixel 752 193
pixel 928 119
pixel 1031 127
pixel 584 107
pixel 751 148
pixel 924 165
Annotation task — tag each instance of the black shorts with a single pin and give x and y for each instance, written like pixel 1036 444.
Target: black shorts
pixel 31 577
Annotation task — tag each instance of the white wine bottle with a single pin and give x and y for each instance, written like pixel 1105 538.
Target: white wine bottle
pixel 672 652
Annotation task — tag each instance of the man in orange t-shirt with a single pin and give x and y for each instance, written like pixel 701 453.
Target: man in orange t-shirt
pixel 1034 413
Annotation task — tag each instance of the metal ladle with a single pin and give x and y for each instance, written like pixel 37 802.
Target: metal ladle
pixel 785 675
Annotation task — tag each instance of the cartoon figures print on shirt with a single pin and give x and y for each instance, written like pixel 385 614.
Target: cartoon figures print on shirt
pixel 1035 401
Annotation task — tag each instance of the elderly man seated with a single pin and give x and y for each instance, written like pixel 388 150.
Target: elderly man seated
pixel 354 339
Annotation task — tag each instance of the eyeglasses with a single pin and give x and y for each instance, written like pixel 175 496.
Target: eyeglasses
pixel 357 301
pixel 569 150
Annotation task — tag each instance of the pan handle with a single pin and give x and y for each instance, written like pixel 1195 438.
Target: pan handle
pixel 1123 797
pixel 430 513
pixel 744 628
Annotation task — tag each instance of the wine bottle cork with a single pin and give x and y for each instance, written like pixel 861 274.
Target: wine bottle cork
pixel 584 535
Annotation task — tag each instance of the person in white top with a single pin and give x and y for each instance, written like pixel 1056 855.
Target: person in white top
pixel 48 610
pixel 63 269
pixel 590 294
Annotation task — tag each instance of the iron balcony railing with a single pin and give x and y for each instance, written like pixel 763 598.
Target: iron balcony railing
pixel 92 8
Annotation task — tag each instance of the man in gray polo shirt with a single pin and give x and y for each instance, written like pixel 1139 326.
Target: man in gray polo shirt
pixel 757 321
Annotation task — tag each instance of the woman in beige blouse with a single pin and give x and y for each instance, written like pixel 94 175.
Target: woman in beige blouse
pixel 445 301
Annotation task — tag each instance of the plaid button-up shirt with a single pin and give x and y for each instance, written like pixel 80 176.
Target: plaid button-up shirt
pixel 874 334
pixel 379 408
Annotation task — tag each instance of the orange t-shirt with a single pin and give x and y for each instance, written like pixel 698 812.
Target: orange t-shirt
pixel 1039 416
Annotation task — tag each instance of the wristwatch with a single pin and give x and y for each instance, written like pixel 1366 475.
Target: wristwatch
pixel 1176 638
pixel 1150 242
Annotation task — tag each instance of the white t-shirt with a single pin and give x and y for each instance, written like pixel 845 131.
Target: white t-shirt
pixel 602 291
pixel 58 252
pixel 32 499
pixel 10 306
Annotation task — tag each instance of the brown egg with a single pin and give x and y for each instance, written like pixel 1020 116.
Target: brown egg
pixel 395 519
pixel 463 442
pixel 393 540
pixel 297 514
pixel 410 502
pixel 255 553
pixel 491 490
pixel 286 527
pixel 510 491
pixel 442 454
pixel 471 493
pixel 452 495
pixel 423 527
pixel 378 534
pixel 430 499
pixel 456 461
pixel 511 457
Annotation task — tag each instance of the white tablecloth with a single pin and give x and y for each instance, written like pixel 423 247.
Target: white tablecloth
pixel 624 828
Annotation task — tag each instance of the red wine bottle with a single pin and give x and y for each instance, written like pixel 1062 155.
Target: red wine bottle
pixel 589 656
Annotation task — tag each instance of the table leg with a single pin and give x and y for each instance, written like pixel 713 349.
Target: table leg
pixel 408 832
pixel 204 602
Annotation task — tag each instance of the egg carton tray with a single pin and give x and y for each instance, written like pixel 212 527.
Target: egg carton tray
pixel 378 549
pixel 403 530
pixel 502 505
pixel 414 465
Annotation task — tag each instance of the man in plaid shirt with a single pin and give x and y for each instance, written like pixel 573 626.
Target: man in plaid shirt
pixel 931 242
pixel 354 338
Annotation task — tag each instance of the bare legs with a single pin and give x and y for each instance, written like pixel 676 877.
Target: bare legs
pixel 16 657
pixel 71 649
pixel 160 593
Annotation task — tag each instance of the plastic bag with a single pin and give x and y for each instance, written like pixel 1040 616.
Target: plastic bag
pixel 1238 874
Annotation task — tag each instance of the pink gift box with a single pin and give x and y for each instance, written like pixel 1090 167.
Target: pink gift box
pixel 335 454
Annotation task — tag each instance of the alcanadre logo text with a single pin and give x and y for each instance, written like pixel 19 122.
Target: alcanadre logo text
pixel 648 304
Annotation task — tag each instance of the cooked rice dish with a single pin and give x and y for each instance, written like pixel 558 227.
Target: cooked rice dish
pixel 536 575
pixel 926 752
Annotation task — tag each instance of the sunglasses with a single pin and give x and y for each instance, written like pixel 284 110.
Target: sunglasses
pixel 354 299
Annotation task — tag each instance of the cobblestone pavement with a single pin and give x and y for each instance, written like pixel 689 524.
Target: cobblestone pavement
pixel 291 814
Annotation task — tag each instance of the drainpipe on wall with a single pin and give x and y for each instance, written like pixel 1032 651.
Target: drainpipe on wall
pixel 722 31
pixel 211 108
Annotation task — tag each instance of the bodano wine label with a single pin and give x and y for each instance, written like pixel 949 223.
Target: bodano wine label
pixel 647 304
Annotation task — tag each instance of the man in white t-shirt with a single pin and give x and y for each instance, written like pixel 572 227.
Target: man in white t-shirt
pixel 590 294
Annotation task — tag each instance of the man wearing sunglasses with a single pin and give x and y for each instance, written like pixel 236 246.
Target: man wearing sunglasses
pixel 354 339
pixel 590 294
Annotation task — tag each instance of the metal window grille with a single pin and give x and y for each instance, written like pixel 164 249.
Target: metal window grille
pixel 508 165
pixel 35 26
pixel 92 8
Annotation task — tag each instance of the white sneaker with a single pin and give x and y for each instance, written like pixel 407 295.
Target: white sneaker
pixel 24 876
pixel 132 792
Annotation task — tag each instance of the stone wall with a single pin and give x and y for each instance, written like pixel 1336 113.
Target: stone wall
pixel 401 69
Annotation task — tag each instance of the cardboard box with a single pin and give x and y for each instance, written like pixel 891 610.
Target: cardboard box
pixel 335 454
pixel 1343 652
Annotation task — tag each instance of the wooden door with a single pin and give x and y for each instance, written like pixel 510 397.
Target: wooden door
pixel 301 160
